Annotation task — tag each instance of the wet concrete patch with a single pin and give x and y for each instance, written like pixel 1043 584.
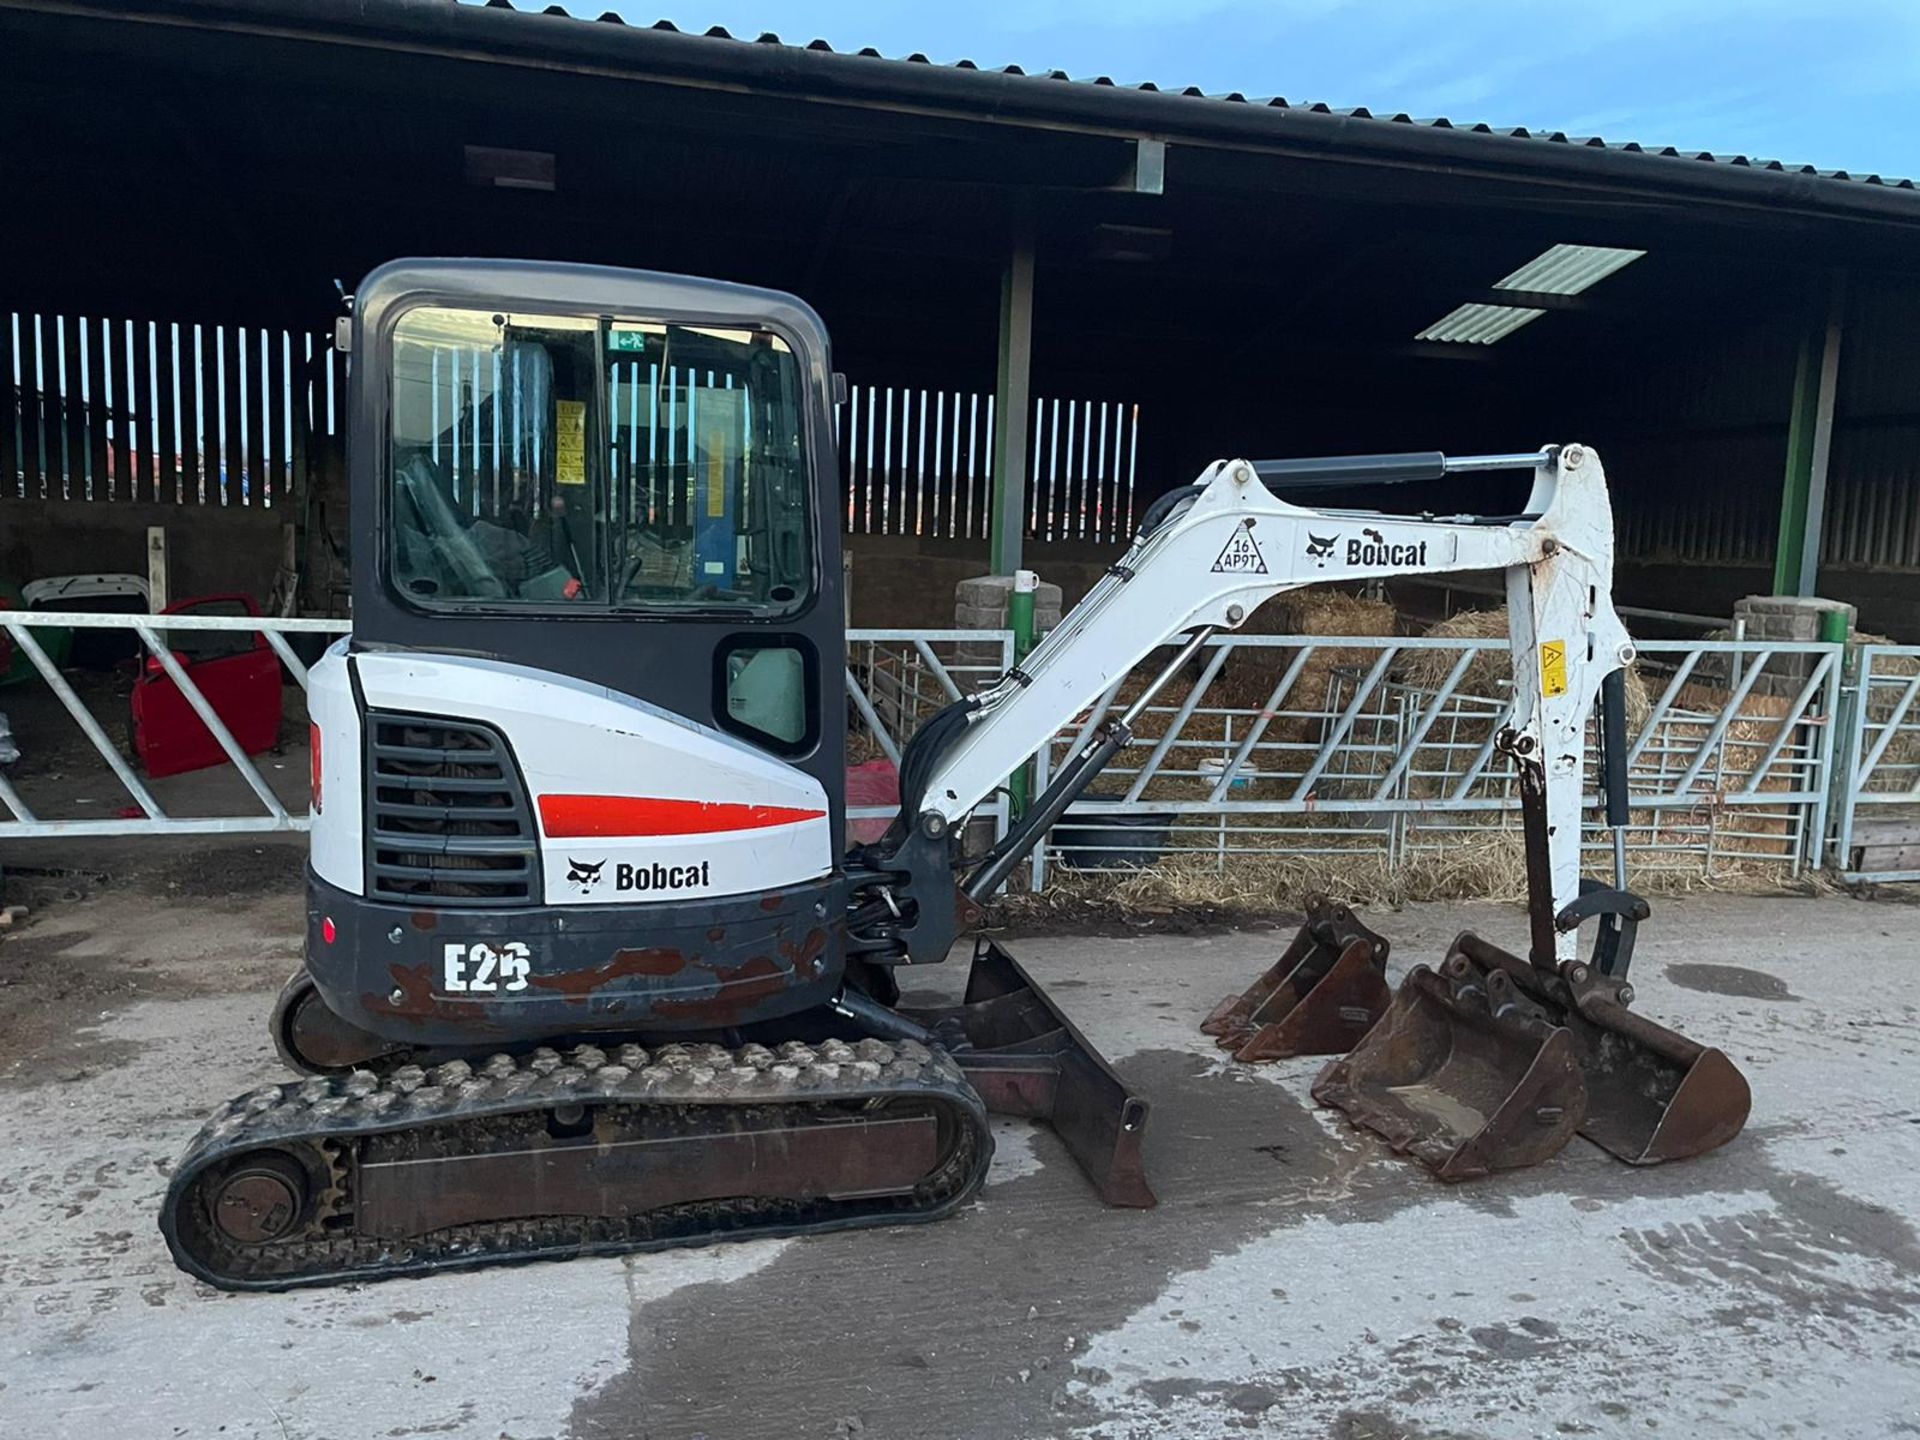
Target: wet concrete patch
pixel 1733 980
pixel 1377 1425
pixel 986 1313
pixel 1524 1340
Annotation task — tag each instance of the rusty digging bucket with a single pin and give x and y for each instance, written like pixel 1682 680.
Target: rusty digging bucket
pixel 1652 1094
pixel 1464 1072
pixel 1323 993
pixel 1493 1063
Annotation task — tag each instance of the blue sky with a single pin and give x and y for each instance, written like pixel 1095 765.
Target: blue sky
pixel 1832 82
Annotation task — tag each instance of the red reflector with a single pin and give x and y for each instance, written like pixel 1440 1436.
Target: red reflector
pixel 313 761
pixel 327 930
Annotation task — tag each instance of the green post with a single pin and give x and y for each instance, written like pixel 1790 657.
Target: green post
pixel 1020 621
pixel 1803 495
pixel 1799 477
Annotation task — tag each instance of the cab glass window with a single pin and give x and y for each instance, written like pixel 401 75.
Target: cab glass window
pixel 564 460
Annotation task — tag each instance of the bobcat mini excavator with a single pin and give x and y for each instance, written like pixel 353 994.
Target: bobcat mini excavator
pixel 587 968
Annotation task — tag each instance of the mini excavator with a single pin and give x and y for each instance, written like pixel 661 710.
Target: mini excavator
pixel 588 969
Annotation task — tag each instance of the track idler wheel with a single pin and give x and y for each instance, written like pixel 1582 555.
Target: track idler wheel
pixel 261 1199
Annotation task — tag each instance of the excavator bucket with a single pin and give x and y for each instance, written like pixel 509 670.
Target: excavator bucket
pixel 1324 992
pixel 1025 1058
pixel 1464 1072
pixel 1652 1094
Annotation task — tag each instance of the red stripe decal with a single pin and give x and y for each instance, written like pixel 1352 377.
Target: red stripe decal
pixel 571 817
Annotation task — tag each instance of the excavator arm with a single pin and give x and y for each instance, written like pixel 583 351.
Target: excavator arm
pixel 1210 554
pixel 1492 1061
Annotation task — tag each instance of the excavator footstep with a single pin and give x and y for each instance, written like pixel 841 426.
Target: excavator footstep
pixel 1025 1058
pixel 1325 991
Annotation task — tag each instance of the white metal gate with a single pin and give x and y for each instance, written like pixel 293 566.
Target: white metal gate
pixel 1879 785
pixel 894 680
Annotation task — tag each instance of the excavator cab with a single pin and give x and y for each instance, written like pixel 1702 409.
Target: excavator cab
pixel 581 720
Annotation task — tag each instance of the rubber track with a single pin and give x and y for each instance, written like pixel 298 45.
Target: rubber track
pixel 319 1118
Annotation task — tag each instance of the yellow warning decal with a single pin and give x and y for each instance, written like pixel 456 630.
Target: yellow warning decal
pixel 570 442
pixel 1553 668
pixel 716 474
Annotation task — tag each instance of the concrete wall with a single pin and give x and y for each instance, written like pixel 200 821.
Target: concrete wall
pixel 905 580
pixel 210 548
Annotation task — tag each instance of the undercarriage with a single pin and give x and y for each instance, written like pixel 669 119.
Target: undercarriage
pixel 391 1160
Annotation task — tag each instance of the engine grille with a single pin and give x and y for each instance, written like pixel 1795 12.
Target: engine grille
pixel 447 814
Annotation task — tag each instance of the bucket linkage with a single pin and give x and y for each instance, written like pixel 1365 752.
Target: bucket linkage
pixel 1324 992
pixel 1495 1062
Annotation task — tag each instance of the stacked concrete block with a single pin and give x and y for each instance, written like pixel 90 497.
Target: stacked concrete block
pixel 1786 618
pixel 981 604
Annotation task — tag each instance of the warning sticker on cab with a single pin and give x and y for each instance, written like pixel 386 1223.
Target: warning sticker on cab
pixel 1553 668
pixel 570 442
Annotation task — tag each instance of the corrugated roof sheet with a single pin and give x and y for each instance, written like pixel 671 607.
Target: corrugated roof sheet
pixel 1276 102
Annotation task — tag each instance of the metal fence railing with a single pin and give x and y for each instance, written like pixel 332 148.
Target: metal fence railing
pixel 894 680
pixel 1382 748
pixel 1878 829
pixel 159 645
pixel 1368 747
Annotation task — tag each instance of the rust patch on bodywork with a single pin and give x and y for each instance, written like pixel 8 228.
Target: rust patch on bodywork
pixel 802 956
pixel 656 961
pixel 418 1002
pixel 425 919
pixel 741 986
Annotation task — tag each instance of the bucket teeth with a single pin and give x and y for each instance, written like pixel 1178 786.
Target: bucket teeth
pixel 1463 1073
pixel 1324 992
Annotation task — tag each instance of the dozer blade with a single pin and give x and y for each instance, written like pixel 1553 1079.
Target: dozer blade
pixel 1323 993
pixel 1464 1073
pixel 1652 1094
pixel 1025 1058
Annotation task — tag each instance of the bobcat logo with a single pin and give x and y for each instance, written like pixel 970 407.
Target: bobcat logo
pixel 584 876
pixel 1320 548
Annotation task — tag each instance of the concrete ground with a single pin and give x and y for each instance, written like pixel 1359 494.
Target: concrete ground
pixel 1296 1280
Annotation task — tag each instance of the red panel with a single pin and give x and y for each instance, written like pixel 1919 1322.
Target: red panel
pixel 243 689
pixel 572 817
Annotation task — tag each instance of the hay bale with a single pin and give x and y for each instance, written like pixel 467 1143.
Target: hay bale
pixel 1250 673
pixel 1490 673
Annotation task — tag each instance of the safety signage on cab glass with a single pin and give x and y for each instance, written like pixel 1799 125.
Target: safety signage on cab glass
pixel 570 442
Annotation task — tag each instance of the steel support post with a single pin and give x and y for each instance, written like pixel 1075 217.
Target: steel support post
pixel 1013 402
pixel 1803 496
